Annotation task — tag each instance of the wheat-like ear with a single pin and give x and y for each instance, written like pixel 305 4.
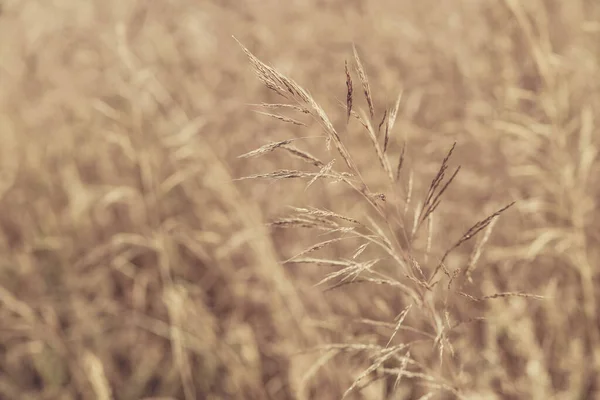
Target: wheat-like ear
pixel 502 295
pixel 281 118
pixel 383 121
pixel 394 113
pixel 474 230
pixel 362 75
pixel 478 249
pixel 383 356
pixel 303 155
pixel 349 92
pixel 400 162
pixel 267 148
pixel 400 319
pixel 385 164
pixel 436 190
pixel 290 174
pixel 278 106
pixel 290 90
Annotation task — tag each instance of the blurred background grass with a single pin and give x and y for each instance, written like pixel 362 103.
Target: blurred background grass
pixel 134 266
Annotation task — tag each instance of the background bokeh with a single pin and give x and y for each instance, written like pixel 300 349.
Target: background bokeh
pixel 134 265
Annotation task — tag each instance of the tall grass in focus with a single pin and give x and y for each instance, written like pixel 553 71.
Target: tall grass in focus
pixel 412 217
pixel 393 238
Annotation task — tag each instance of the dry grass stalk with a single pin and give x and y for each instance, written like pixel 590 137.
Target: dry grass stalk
pixel 394 113
pixel 360 250
pixel 378 150
pixel 429 237
pixel 501 295
pixel 290 174
pixel 400 162
pixel 362 75
pixel 409 190
pixel 297 222
pixel 290 90
pixel 319 261
pixel 325 213
pixel 97 226
pixel 324 171
pixel 303 155
pixel 474 230
pixel 353 113
pixel 383 120
pixel 478 249
pixel 281 118
pixel 386 137
pixel 280 106
pixel 436 190
pixel 384 355
pixel 403 366
pixel 349 92
pixel 400 319
pixel 350 273
pixel 267 148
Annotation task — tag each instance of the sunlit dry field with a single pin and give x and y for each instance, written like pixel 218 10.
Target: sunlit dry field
pixel 300 200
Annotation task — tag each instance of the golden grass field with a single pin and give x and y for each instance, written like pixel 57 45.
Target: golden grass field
pixel 353 262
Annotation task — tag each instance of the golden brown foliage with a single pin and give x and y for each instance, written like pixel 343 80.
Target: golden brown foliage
pixel 446 246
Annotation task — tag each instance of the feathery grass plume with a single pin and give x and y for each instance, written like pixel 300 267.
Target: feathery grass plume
pixel 415 265
pixel 383 356
pixel 362 75
pixel 400 320
pixel 380 233
pixel 325 213
pixel 351 272
pixel 267 148
pixel 305 222
pixel 478 249
pixel 319 261
pixel 320 245
pixel 386 137
pixel 290 90
pixel 324 171
pixel 360 250
pixel 403 366
pixel 279 106
pixel 289 174
pixel 429 237
pixel 281 118
pixel 436 190
pixel 474 230
pixel 349 92
pixel 394 113
pixel 303 155
pixel 383 120
pixel 501 295
pixel 400 162
pixel 385 164
pixel 409 191
pixel 403 272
